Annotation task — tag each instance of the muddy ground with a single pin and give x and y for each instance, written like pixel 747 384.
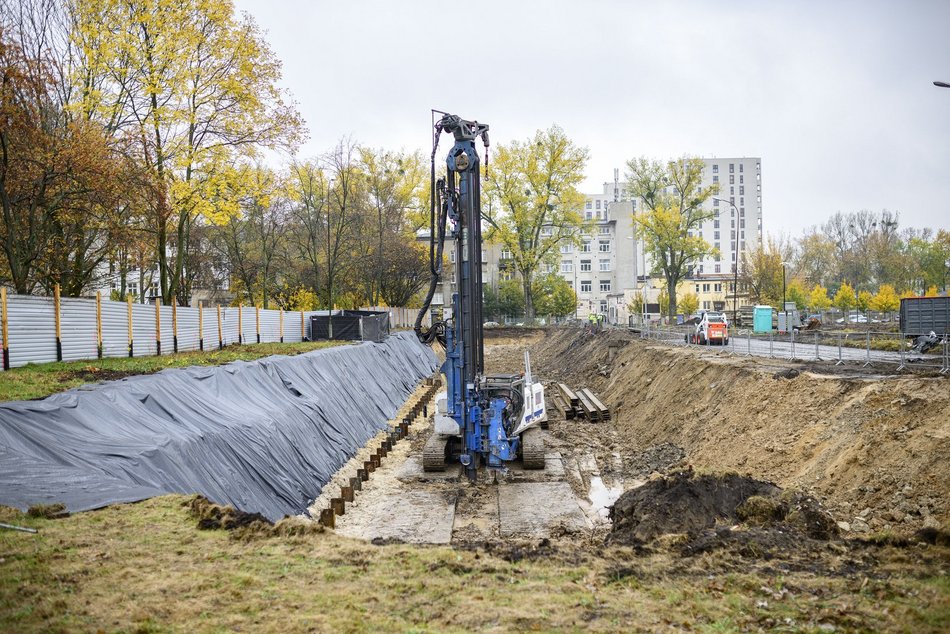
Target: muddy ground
pixel 747 464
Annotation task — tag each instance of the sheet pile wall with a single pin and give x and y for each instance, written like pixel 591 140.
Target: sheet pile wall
pixel 264 435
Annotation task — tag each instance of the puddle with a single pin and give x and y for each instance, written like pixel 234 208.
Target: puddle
pixel 602 497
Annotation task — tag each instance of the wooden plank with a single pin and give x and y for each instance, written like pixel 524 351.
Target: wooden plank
pixel 590 411
pixel 569 395
pixel 596 402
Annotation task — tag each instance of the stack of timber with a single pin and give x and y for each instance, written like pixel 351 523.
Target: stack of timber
pixel 579 404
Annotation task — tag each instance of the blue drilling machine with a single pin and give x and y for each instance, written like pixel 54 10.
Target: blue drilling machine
pixel 481 420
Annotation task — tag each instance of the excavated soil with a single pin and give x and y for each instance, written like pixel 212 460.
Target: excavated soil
pixel 875 450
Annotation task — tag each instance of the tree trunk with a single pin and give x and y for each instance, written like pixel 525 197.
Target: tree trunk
pixel 671 291
pixel 528 301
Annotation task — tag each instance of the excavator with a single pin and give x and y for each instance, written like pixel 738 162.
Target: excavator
pixel 481 421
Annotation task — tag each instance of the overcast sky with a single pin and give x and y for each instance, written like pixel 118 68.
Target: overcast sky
pixel 837 98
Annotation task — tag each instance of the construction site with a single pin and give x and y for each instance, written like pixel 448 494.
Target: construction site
pixel 811 496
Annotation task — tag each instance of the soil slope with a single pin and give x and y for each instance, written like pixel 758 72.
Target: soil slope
pixel 875 449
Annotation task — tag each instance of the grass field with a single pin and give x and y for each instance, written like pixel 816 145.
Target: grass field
pixel 39 380
pixel 145 567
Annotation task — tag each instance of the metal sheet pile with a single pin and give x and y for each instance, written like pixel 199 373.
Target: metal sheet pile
pixel 582 403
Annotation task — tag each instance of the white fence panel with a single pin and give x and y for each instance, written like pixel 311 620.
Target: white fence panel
pixel 168 335
pixel 187 329
pixel 78 329
pixel 247 324
pixel 32 330
pixel 210 327
pixel 292 332
pixel 270 326
pixel 229 325
pixel 115 329
pixel 143 330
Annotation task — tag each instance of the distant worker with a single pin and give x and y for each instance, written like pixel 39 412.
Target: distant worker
pixel 592 318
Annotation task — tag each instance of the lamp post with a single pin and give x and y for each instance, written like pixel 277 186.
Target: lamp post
pixel 735 283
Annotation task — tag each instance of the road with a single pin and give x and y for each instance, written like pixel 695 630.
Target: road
pixel 809 346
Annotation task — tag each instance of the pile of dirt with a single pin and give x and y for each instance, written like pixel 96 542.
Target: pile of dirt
pixel 244 525
pixel 683 503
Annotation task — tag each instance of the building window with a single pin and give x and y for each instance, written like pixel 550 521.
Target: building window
pixel 604 286
pixel 742 190
pixel 604 265
pixel 505 254
pixel 742 212
pixel 588 215
pixel 741 178
pixel 605 231
pixel 740 168
pixel 603 305
pixel 732 179
pixel 585 266
pixel 567 248
pixel 716 224
pixel 598 204
pixel 547 231
pixel 715 202
pixel 716 178
pixel 718 268
pixel 604 246
pixel 718 286
pixel 716 233
pixel 758 167
pixel 715 169
pixel 732 190
pixel 452 256
pixel 706 287
pixel 732 167
pixel 588 205
pixel 585 286
pixel 742 223
pixel 567 266
pixel 697 289
pixel 716 247
pixel 585 246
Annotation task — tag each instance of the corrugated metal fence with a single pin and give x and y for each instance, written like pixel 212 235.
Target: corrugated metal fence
pixel 42 329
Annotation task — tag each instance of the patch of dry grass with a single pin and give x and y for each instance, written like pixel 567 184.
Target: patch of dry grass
pixel 146 567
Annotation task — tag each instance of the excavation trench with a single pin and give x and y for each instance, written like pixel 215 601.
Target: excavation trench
pixel 263 436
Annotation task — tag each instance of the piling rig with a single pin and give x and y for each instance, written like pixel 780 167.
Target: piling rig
pixel 481 420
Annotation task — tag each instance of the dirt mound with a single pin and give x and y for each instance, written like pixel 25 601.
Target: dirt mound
pixel 682 503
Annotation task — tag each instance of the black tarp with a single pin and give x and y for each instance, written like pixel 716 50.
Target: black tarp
pixel 264 435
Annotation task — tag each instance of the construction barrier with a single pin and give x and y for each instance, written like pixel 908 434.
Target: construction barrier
pixel 42 329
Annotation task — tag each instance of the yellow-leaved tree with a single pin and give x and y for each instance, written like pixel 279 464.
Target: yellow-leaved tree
pixel 672 197
pixel 534 205
pixel 818 298
pixel 886 299
pixel 845 299
pixel 192 87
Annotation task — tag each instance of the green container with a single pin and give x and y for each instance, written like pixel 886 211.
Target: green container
pixel 762 319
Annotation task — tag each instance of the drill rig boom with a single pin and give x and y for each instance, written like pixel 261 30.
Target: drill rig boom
pixel 483 420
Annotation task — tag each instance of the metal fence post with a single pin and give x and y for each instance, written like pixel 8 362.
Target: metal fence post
pixel 946 356
pixel 792 351
pixel 303 327
pixel 128 299
pixel 868 360
pixel 282 325
pixel 257 320
pixel 839 350
pixel 240 324
pixel 220 331
pixel 201 327
pixel 817 355
pixel 901 345
pixel 748 339
pixel 771 356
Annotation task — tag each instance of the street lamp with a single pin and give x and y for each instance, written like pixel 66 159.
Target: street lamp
pixel 735 283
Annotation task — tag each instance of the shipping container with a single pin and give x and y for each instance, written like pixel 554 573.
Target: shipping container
pixel 923 315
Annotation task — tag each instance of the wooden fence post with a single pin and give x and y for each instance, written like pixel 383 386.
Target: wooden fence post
pixel 128 299
pixel 220 333
pixel 303 327
pixel 98 324
pixel 59 332
pixel 282 325
pixel 201 328
pixel 257 315
pixel 158 327
pixel 5 326
pixel 174 324
pixel 240 324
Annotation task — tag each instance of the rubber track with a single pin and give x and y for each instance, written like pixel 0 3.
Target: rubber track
pixel 433 455
pixel 532 449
